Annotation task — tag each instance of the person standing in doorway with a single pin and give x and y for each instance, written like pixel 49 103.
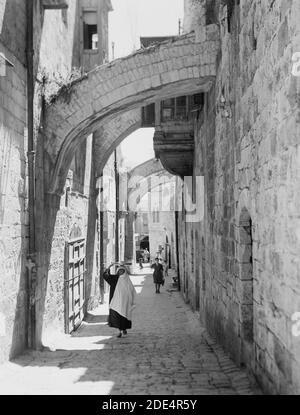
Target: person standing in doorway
pixel 122 299
pixel 158 275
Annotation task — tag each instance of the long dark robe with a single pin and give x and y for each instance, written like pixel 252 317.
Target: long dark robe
pixel 158 274
pixel 115 319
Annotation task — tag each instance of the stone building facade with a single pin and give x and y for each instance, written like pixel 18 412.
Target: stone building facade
pixel 13 174
pixel 240 264
pixel 56 54
pixel 111 215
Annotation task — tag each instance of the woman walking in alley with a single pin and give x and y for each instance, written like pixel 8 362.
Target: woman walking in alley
pixel 122 299
pixel 158 275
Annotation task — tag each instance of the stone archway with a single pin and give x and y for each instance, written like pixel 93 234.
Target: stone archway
pixel 144 170
pixel 111 133
pixel 148 184
pixel 172 68
pixel 178 67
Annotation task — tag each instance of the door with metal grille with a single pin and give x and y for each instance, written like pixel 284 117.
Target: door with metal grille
pixel 74 284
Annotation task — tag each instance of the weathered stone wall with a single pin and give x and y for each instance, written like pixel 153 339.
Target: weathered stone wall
pixel 194 14
pixel 56 51
pixel 247 147
pixel 72 222
pixel 13 27
pixel 60 59
pixel 13 172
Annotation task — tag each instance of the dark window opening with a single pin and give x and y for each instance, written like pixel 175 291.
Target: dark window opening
pixel 254 40
pixel 198 100
pixel 197 104
pixel 148 116
pixel 67 196
pixel 90 31
pixel 230 12
pixel 168 110
pixel 210 12
pixel 175 109
pixel 181 108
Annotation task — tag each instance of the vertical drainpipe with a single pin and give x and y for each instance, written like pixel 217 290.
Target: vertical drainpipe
pixel 117 208
pixel 31 259
pixel 101 237
pixel 177 247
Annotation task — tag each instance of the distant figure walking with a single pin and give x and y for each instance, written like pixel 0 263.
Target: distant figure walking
pixel 165 267
pixel 146 255
pixel 158 275
pixel 122 299
pixel 141 263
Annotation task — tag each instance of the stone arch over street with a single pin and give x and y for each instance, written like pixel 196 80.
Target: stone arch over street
pixel 112 132
pixel 177 67
pixel 149 183
pixel 97 101
pixel 144 170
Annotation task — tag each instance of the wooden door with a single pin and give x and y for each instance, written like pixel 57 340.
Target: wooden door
pixel 74 284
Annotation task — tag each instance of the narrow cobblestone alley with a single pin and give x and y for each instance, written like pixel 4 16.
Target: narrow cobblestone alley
pixel 166 353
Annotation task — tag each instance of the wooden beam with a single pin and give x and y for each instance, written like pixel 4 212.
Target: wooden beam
pixel 55 4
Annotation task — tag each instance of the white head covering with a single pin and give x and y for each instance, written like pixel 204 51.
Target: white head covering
pixel 124 298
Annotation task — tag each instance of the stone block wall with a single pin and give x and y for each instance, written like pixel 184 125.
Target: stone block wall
pixel 13 173
pixel 76 218
pixel 68 218
pixel 13 27
pixel 247 148
pixel 56 52
pixel 194 14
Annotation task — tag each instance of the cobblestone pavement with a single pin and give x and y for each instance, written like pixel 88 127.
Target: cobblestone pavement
pixel 167 352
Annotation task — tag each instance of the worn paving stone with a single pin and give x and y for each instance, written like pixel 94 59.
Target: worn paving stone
pixel 165 353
